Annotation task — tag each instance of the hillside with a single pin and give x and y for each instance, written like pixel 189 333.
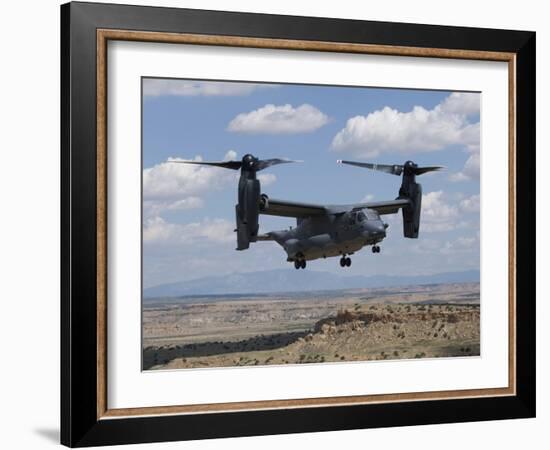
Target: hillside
pixel 281 280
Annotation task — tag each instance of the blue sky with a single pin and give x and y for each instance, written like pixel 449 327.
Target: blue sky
pixel 189 210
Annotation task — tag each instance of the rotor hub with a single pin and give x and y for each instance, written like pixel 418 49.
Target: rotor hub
pixel 249 161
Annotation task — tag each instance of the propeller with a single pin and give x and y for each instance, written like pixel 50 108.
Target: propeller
pixel 235 165
pixel 262 164
pixel 409 167
pixel 249 162
pixel 247 210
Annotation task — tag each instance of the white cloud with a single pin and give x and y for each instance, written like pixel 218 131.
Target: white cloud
pixel 461 103
pixel 157 230
pixel 230 155
pixel 455 247
pixel 470 171
pixel 177 181
pixel 436 213
pixel 153 208
pixel 153 87
pixel 283 119
pixel 267 178
pixel 470 137
pixel 172 186
pixel 470 204
pixel 419 130
pixel 367 198
pixel 460 245
pixel 439 214
pixel 434 206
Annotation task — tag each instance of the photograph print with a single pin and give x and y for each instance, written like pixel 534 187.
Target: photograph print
pixel 308 224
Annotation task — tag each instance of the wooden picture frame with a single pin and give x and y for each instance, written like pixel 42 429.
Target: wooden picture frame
pixel 86 418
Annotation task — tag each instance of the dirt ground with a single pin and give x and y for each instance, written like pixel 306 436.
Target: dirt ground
pixel 420 322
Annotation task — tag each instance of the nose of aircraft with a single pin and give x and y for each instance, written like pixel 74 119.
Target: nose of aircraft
pixel 377 229
pixel 381 230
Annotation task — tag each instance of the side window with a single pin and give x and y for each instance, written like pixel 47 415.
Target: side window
pixel 352 217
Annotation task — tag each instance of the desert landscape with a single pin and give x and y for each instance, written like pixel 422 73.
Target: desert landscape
pixel 423 321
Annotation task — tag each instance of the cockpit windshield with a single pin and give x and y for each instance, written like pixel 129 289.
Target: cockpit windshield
pixel 361 216
pixel 371 214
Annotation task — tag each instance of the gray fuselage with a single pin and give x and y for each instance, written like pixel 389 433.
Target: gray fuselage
pixel 331 235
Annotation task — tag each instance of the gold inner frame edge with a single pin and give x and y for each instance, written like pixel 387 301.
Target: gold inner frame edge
pixel 104 35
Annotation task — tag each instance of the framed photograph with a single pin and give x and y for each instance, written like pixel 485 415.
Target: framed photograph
pixel 276 224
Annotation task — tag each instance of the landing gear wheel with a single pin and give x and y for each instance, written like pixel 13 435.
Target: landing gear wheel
pixel 297 264
pixel 303 264
pixel 348 262
pixel 375 249
pixel 343 261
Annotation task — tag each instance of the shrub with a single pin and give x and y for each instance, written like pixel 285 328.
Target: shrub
pixel 452 318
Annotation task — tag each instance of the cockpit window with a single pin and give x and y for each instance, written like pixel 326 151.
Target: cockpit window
pixel 361 217
pixel 371 214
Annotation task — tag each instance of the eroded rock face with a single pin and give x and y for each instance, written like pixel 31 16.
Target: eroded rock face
pixel 404 323
pixel 407 332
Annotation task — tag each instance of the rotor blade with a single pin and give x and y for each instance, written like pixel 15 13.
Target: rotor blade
pixel 391 169
pixel 235 165
pixel 421 170
pixel 265 163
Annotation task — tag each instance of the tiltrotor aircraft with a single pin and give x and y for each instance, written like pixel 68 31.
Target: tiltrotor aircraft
pixel 322 230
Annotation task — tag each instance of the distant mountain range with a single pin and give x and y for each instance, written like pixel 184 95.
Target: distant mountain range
pixel 284 280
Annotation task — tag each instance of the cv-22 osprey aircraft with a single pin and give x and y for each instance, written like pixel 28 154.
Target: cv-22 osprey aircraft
pixel 322 231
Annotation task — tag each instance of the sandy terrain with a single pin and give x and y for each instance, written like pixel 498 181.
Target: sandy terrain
pixel 368 324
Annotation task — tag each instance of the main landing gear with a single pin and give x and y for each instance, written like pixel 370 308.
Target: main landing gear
pixel 300 264
pixel 375 249
pixel 345 261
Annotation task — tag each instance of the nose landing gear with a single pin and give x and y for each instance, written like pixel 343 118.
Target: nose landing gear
pixel 345 261
pixel 375 249
pixel 300 264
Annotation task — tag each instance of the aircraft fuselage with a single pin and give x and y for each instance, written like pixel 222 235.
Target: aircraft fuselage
pixel 331 235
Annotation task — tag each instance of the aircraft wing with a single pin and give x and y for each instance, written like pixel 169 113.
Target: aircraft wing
pixel 386 207
pixel 286 208
pixel 265 237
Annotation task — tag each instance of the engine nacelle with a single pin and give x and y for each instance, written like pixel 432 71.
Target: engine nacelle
pixel 247 213
pixel 411 214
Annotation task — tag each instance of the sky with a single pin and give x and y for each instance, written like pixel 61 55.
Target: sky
pixel 189 210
